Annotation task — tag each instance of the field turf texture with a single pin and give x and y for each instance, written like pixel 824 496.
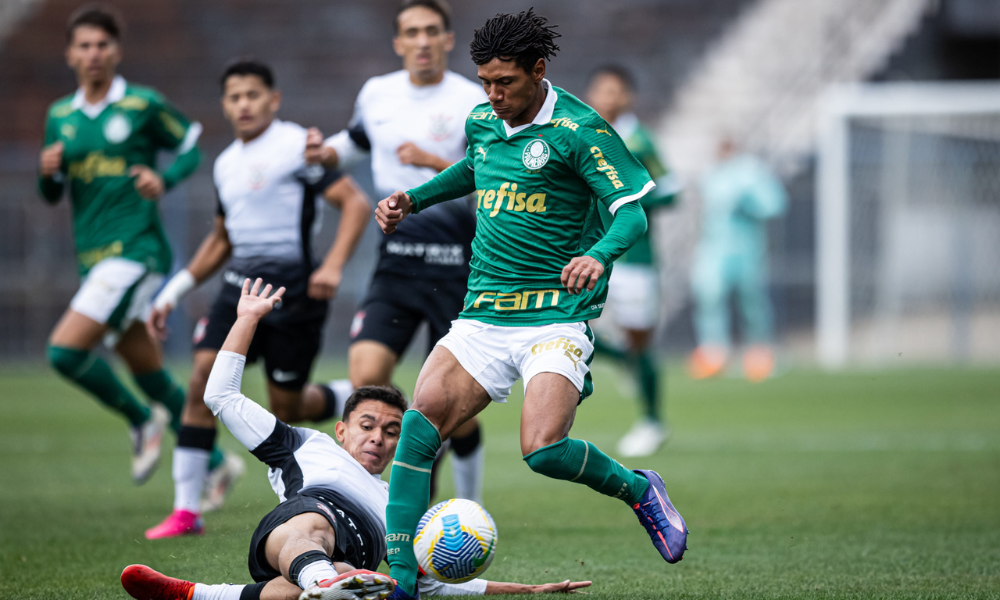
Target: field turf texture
pixel 859 485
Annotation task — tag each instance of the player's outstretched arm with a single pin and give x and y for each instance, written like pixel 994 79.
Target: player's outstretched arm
pixel 254 305
pixel 432 587
pixel 211 255
pixel 355 211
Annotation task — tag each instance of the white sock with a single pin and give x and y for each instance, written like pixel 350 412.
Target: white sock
pixel 316 572
pixel 342 390
pixel 190 469
pixel 467 472
pixel 223 591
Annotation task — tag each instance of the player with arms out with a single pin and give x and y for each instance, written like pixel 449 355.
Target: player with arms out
pixel 412 124
pixel 540 161
pixel 327 535
pixel 101 143
pixel 269 208
pixel 633 289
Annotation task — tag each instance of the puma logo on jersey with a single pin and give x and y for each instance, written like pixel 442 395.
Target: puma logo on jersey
pixel 479 150
pixel 605 130
pixel 493 200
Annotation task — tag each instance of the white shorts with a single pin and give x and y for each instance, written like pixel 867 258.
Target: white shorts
pixel 633 297
pixel 117 292
pixel 497 356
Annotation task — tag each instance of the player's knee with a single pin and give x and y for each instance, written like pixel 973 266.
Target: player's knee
pixel 67 361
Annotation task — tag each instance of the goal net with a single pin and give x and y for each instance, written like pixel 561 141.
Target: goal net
pixel 908 224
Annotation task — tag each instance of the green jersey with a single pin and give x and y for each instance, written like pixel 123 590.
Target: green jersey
pixel 640 144
pixel 538 189
pixel 101 144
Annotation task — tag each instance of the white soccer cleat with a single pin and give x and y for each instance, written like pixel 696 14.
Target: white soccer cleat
pixel 644 439
pixel 358 584
pixel 146 442
pixel 220 481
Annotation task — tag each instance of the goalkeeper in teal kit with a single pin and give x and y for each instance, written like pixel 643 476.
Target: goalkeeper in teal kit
pixel 101 145
pixel 540 163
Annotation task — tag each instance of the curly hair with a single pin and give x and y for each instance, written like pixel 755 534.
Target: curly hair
pixel 523 38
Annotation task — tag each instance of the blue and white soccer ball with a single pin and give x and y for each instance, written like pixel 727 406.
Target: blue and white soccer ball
pixel 455 541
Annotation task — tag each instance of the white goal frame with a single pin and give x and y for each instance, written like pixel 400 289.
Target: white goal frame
pixel 839 105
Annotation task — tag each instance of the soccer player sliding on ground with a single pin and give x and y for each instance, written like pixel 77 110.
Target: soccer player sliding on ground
pixel 539 161
pixel 328 533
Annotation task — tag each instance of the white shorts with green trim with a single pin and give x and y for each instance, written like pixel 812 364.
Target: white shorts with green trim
pixel 633 297
pixel 498 356
pixel 117 292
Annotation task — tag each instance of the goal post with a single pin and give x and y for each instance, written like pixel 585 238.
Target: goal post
pixel 908 223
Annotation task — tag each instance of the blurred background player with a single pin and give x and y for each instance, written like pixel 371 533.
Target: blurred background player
pixel 739 195
pixel 269 208
pixel 412 123
pixel 101 143
pixel 633 291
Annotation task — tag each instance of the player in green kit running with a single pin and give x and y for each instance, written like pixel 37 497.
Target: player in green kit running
pixel 540 163
pixel 101 144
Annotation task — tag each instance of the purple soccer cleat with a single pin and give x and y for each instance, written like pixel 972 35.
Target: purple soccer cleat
pixel 663 523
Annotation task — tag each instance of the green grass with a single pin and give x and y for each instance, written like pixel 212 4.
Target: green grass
pixel 863 485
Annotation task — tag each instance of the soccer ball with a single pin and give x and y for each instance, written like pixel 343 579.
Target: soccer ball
pixel 455 541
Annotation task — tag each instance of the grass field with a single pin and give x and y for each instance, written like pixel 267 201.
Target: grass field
pixel 865 485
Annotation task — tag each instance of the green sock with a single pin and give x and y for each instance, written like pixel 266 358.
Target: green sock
pixel 582 462
pixel 160 387
pixel 93 374
pixel 216 458
pixel 649 384
pixel 409 494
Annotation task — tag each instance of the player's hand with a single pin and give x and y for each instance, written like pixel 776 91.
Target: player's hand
pixel 410 154
pixel 50 160
pixel 256 303
pixel 156 324
pixel 392 210
pixel 323 283
pixel 581 272
pixel 316 153
pixel 148 182
pixel 563 587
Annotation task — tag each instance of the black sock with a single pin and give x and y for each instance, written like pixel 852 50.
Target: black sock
pixel 329 404
pixel 202 438
pixel 465 446
pixel 252 591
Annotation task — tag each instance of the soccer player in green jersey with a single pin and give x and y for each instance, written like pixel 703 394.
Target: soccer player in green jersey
pixel 540 162
pixel 101 144
pixel 633 292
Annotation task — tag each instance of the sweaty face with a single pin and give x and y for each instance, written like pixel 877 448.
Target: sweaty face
pixel 423 43
pixel 510 88
pixel 93 54
pixel 371 433
pixel 249 105
pixel 608 96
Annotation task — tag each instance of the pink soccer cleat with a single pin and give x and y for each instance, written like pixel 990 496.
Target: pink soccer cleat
pixel 180 522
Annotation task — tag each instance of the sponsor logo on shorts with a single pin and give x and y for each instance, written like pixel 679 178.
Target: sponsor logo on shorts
pixel 517 300
pixel 283 376
pixel 199 330
pixel 564 345
pixel 357 323
pixel 433 254
pixel 326 511
pixel 397 537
